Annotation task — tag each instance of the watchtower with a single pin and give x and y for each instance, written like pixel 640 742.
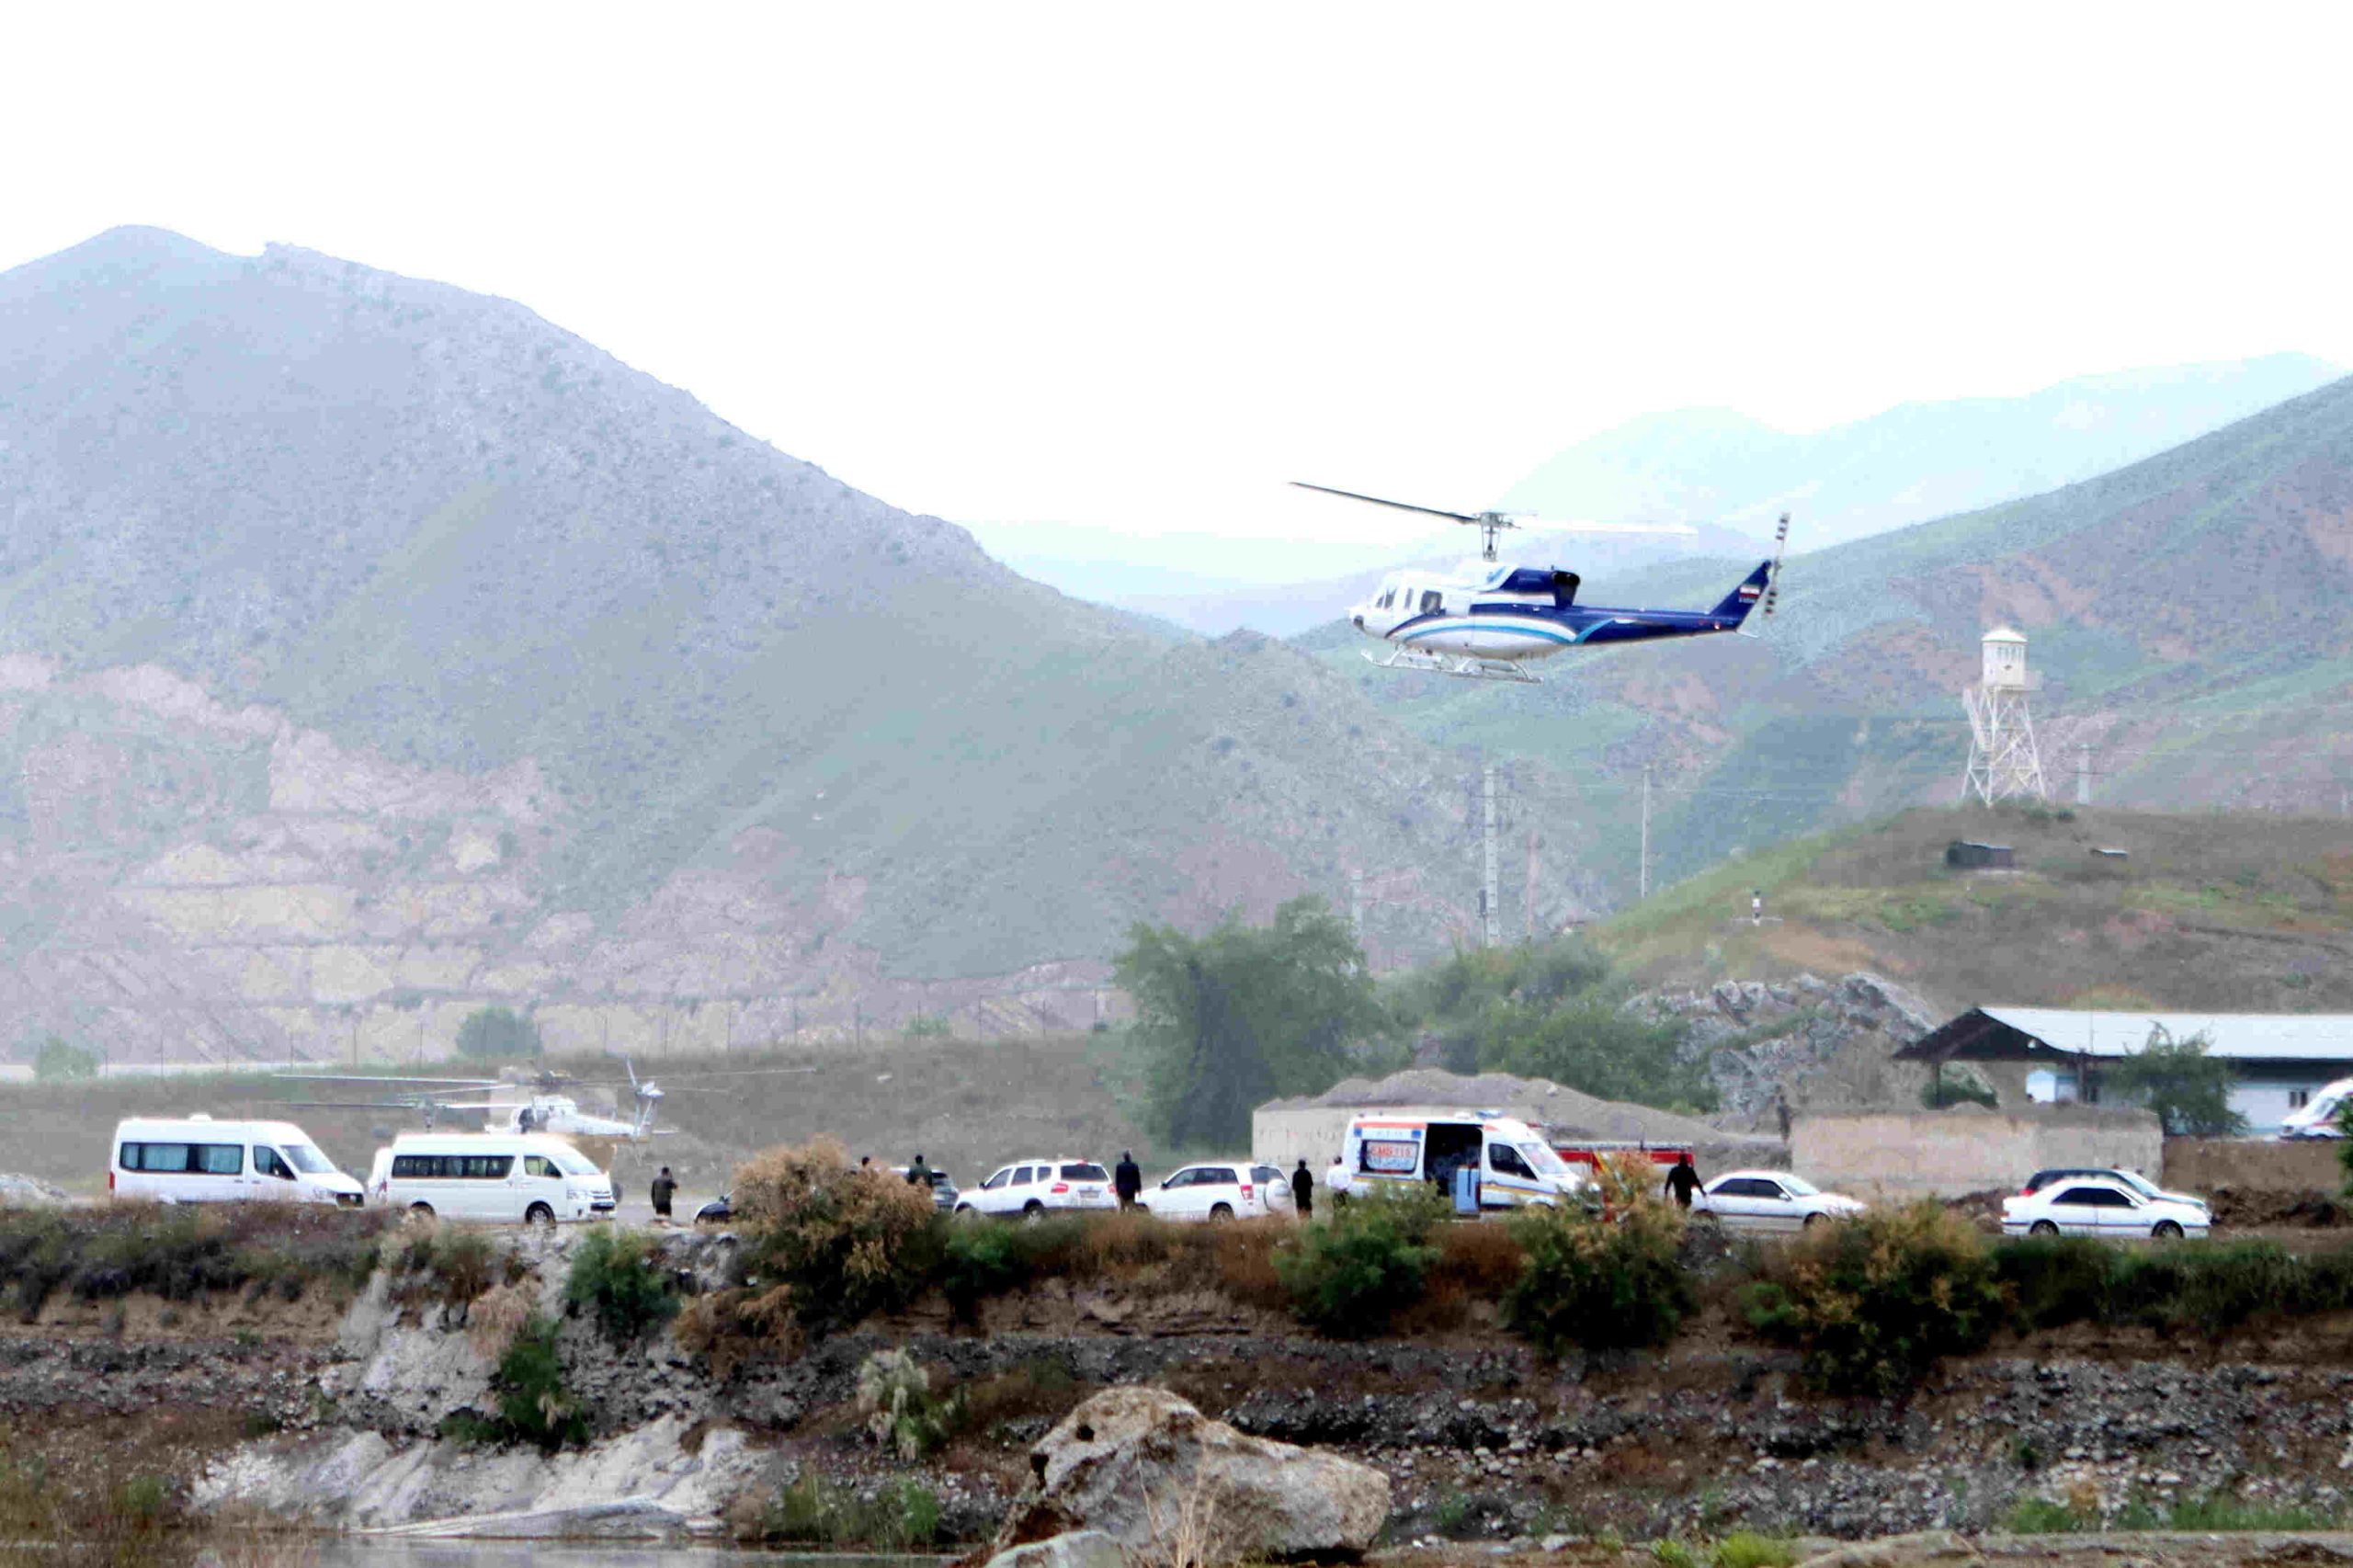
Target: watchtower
pixel 2003 764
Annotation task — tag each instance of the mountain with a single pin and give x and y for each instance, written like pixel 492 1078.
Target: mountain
pixel 372 651
pixel 1914 462
pixel 2191 614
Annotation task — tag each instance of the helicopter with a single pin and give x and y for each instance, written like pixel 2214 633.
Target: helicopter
pixel 1486 619
pixel 543 1111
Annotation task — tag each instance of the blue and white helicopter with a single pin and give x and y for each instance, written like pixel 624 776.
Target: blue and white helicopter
pixel 1484 621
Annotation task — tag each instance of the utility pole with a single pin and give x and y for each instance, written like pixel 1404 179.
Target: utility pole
pixel 1646 831
pixel 2084 775
pixel 1488 902
pixel 1356 916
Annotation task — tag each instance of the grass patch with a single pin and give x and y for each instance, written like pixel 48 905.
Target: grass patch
pixel 182 1253
pixel 617 1277
pixel 899 1515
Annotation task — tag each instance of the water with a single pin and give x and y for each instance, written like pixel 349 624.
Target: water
pixel 350 1552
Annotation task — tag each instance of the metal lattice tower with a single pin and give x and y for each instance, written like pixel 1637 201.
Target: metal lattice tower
pixel 2003 764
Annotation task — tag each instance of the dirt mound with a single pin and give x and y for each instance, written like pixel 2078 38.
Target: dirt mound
pixel 1559 1110
pixel 2251 1207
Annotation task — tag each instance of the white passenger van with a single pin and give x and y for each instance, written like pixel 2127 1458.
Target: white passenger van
pixel 506 1176
pixel 194 1158
pixel 1515 1166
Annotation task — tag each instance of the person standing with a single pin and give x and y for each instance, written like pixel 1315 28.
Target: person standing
pixel 664 1190
pixel 1781 1112
pixel 919 1174
pixel 1682 1180
pixel 1127 1181
pixel 1302 1191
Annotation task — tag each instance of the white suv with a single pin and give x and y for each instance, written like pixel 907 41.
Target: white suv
pixel 1219 1192
pixel 1034 1188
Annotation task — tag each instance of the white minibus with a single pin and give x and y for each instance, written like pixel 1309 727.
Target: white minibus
pixel 194 1158
pixel 505 1177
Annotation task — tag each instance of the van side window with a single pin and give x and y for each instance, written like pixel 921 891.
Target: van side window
pixel 266 1163
pixel 537 1166
pixel 1504 1160
pixel 221 1159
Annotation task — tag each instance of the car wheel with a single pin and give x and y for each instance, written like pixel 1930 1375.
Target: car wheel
pixel 2165 1230
pixel 1033 1212
pixel 2042 1227
pixel 1221 1211
pixel 1812 1220
pixel 420 1212
pixel 540 1214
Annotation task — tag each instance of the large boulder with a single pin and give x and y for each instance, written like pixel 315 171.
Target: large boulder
pixel 1151 1473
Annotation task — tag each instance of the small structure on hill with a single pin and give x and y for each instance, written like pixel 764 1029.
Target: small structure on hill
pixel 1967 855
pixel 2004 761
pixel 2282 1059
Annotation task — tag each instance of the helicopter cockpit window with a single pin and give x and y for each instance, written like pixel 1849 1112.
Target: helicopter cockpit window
pixel 1431 600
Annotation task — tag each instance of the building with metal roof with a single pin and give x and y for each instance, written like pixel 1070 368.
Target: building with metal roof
pixel 2284 1059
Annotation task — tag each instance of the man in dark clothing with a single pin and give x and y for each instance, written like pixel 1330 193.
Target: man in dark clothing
pixel 663 1187
pixel 919 1174
pixel 1127 1180
pixel 1302 1191
pixel 1683 1181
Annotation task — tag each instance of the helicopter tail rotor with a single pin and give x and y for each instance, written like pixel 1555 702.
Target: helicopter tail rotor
pixel 1773 577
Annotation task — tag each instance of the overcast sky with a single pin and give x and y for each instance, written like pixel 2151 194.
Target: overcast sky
pixel 1135 266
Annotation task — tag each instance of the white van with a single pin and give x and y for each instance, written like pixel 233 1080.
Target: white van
pixel 1515 1166
pixel 507 1176
pixel 2316 1118
pixel 194 1158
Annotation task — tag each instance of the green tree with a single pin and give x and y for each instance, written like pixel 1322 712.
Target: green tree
pixel 2190 1090
pixel 490 1033
pixel 1244 1014
pixel 58 1061
pixel 1548 1010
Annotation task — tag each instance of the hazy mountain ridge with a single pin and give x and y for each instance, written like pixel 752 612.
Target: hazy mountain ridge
pixel 759 750
pixel 1912 463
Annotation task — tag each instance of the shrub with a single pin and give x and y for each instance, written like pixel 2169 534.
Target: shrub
pixel 1347 1278
pixel 811 1511
pixel 847 1241
pixel 1745 1549
pixel 2055 1280
pixel 617 1275
pixel 449 1264
pixel 1599 1283
pixel 60 1061
pixel 2212 1289
pixel 489 1034
pixel 535 1403
pixel 894 1396
pixel 1874 1303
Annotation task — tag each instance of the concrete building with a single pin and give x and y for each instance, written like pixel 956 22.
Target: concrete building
pixel 1946 1153
pixel 2055 1053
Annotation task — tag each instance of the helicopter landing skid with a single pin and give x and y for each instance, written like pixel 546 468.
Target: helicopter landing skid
pixel 1461 665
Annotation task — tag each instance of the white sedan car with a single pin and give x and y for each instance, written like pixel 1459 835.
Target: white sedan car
pixel 1769 1200
pixel 2079 1206
pixel 1219 1192
pixel 1034 1189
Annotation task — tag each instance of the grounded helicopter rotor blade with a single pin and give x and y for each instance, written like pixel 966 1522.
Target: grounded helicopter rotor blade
pixel 404 1083
pixel 1399 505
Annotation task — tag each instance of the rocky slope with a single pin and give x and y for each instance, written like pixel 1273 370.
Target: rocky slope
pixel 372 651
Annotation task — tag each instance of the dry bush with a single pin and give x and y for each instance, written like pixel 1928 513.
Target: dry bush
pixel 727 1327
pixel 496 1316
pixel 1244 1263
pixel 1185 1533
pixel 1875 1301
pixel 1111 1245
pixel 1482 1260
pixel 848 1241
pixel 1597 1282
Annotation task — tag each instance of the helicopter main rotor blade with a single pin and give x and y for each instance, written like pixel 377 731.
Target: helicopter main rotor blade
pixel 1549 525
pixel 1399 505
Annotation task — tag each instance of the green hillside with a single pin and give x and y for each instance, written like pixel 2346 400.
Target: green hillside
pixel 2227 911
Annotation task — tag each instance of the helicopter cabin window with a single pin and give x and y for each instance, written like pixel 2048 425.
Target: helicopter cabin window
pixel 1432 601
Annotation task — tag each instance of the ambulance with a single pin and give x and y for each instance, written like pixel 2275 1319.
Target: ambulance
pixel 1510 1163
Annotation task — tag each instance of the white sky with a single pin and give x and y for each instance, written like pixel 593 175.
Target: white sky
pixel 1135 266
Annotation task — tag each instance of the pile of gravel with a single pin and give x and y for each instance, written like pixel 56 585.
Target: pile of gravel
pixel 1562 1111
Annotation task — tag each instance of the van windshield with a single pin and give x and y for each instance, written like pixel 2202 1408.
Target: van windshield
pixel 305 1158
pixel 1542 1160
pixel 570 1161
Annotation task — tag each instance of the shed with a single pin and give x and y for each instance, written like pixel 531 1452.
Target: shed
pixel 1967 854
